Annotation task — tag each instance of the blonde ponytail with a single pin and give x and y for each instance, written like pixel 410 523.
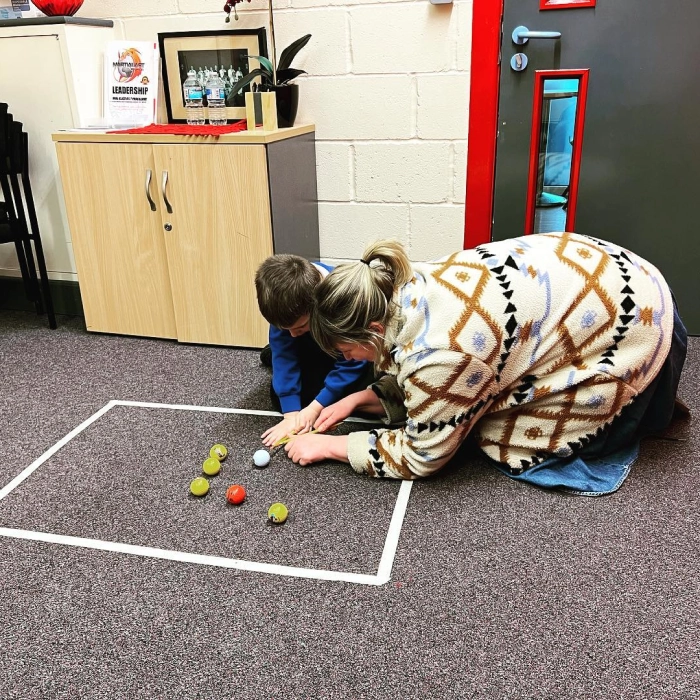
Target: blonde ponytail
pixel 356 294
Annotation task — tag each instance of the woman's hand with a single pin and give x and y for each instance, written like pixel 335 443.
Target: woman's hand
pixel 307 449
pixel 335 413
pixel 365 400
pixel 284 428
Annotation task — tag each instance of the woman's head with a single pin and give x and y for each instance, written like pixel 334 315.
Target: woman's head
pixel 353 304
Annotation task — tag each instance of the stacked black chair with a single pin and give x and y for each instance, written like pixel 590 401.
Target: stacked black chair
pixel 18 220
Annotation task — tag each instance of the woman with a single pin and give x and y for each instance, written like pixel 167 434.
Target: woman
pixel 535 346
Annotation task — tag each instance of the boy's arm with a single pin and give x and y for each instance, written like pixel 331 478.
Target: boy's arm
pixel 336 385
pixel 286 372
pixel 339 379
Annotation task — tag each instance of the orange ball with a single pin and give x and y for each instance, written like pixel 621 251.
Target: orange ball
pixel 235 494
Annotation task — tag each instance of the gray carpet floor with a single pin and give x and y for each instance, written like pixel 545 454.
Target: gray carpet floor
pixel 498 589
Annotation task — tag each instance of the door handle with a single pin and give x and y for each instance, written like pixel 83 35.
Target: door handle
pixel 165 196
pixel 148 190
pixel 522 34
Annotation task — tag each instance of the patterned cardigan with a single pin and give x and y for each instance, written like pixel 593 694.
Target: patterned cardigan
pixel 533 344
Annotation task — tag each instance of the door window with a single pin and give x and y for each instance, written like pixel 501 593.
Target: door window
pixel 555 150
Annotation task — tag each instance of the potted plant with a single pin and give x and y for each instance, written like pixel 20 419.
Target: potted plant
pixel 278 79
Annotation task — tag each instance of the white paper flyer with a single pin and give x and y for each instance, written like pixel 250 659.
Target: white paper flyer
pixel 131 83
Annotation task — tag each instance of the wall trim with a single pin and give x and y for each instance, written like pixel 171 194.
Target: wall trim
pixel 65 295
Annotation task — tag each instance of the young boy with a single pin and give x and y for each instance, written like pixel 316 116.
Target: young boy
pixel 305 379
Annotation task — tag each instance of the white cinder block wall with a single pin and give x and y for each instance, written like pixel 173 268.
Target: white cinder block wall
pixel 388 90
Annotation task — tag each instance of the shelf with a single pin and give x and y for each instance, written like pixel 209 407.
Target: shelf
pixel 34 21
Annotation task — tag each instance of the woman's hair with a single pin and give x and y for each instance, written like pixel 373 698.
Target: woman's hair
pixel 356 294
pixel 285 287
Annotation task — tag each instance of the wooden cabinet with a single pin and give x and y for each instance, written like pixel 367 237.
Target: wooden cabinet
pixel 167 234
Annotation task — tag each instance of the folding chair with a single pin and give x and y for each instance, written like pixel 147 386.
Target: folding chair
pixel 18 220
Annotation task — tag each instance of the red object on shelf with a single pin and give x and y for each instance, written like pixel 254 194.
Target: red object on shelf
pixel 186 129
pixel 58 8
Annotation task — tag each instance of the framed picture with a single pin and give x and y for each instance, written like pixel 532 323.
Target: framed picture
pixel 223 51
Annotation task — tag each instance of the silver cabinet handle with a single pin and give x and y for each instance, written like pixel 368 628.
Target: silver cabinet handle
pixel 522 34
pixel 165 196
pixel 148 190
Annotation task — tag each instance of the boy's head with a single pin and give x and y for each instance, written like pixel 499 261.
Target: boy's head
pixel 285 286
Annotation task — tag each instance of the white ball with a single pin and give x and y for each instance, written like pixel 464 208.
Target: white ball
pixel 261 458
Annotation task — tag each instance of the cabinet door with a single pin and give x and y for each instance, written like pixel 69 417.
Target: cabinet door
pixel 117 238
pixel 221 231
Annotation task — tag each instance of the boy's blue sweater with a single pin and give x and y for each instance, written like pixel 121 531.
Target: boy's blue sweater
pixel 286 371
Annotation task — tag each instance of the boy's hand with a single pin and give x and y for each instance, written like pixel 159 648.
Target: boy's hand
pixel 306 418
pixel 307 449
pixel 285 427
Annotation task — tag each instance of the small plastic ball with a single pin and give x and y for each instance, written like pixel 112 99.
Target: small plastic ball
pixel 235 494
pixel 211 466
pixel 261 458
pixel 199 486
pixel 219 452
pixel 277 513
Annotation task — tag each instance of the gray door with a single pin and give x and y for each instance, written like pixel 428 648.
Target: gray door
pixel 639 178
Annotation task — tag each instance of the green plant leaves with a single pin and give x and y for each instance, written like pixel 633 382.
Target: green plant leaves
pixel 264 62
pixel 287 74
pixel 291 51
pixel 265 72
pixel 243 83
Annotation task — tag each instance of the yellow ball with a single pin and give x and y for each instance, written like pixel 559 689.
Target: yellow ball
pixel 199 486
pixel 218 452
pixel 277 513
pixel 211 466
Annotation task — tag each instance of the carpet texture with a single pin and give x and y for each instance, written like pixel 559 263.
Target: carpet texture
pixel 498 589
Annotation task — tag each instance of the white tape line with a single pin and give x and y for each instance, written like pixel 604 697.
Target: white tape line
pixel 392 538
pixel 172 555
pixel 385 564
pixel 52 450
pixel 219 409
pixel 185 407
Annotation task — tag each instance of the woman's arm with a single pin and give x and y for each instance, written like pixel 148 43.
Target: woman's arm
pixel 445 392
pixel 306 449
pixel 365 400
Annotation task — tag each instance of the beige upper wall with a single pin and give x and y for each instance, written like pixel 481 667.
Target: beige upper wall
pixel 388 90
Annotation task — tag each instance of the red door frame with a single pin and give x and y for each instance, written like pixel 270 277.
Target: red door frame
pixel 483 121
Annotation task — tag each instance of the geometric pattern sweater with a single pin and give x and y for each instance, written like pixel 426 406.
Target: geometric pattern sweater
pixel 532 344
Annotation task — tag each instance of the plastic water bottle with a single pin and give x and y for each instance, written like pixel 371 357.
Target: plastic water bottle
pixel 194 104
pixel 216 99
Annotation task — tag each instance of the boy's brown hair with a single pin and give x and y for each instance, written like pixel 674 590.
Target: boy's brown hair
pixel 285 286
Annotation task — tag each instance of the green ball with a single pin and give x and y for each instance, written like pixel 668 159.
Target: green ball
pixel 211 466
pixel 277 513
pixel 199 486
pixel 219 452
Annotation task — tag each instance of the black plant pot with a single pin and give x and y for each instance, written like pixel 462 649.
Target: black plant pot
pixel 287 97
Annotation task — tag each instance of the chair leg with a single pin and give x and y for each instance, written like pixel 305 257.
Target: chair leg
pixel 29 290
pixel 26 236
pixel 36 236
pixel 33 278
pixel 45 283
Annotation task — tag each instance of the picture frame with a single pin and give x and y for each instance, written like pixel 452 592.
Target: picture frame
pixel 224 50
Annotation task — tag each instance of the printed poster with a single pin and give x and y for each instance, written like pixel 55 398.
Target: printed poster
pixel 10 10
pixel 131 83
